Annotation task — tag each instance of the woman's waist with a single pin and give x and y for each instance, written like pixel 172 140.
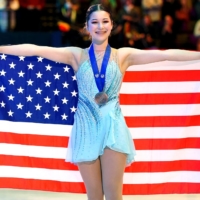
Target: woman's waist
pixel 91 99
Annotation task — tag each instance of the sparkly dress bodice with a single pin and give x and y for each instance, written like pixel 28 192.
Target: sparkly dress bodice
pixel 88 89
pixel 97 127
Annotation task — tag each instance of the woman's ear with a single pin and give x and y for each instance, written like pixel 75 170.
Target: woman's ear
pixel 86 27
pixel 112 25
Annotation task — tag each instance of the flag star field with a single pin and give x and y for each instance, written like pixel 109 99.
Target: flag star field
pixel 30 90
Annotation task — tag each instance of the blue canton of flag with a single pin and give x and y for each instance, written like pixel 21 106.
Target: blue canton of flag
pixel 34 89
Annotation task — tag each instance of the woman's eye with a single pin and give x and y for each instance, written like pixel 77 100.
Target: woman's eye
pixel 97 22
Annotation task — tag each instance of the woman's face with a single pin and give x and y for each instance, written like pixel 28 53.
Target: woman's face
pixel 99 26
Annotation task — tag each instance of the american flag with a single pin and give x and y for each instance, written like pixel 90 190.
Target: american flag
pixel 161 105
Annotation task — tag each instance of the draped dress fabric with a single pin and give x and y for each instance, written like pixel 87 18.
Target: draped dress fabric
pixel 98 127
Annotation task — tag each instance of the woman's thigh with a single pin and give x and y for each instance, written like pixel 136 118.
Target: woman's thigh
pixel 112 165
pixel 91 174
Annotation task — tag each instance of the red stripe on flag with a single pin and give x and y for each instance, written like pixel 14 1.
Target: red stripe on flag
pixel 166 144
pixel 141 144
pixel 162 188
pixel 45 185
pixel 161 76
pixel 30 139
pixel 163 121
pixel 56 186
pixel 26 161
pixel 60 164
pixel 164 166
pixel 152 99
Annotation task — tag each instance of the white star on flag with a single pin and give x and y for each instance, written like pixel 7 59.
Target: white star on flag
pixel 65 85
pixel 2 89
pixel 47 84
pixel 38 107
pixel 2 104
pixel 12 65
pixel 57 76
pixel 3 57
pixel 40 59
pixel 28 114
pixel 21 58
pixel 66 69
pixel 56 92
pixel 55 108
pixel 19 106
pixel 39 75
pixel 10 113
pixel 21 74
pixel 47 99
pixel 2 73
pixel 74 78
pixel 64 101
pixel 64 117
pixel 11 97
pixel 11 81
pixel 46 115
pixel 30 66
pixel 38 91
pixel 20 90
pixel 73 109
pixel 48 68
pixel 30 82
pixel 29 98
pixel 74 93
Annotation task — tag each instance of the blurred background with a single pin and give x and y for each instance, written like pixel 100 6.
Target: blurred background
pixel 143 24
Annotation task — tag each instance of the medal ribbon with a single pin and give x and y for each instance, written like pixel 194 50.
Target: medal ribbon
pixel 99 76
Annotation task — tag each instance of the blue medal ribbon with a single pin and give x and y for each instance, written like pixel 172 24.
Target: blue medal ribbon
pixel 99 76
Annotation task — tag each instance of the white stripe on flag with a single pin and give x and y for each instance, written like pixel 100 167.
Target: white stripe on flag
pixel 162 177
pixel 35 128
pixel 167 65
pixel 165 132
pixel 74 176
pixel 161 87
pixel 161 110
pixel 64 130
pixel 60 153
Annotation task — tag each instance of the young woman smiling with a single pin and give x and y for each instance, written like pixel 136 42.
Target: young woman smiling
pixel 100 142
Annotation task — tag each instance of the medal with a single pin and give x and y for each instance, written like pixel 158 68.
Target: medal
pixel 101 97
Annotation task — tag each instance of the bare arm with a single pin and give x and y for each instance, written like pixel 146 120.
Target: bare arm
pixel 131 56
pixel 67 55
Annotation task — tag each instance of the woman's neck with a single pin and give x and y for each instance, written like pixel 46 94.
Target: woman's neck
pixel 100 47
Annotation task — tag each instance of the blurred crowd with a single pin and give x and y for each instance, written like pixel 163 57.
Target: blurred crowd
pixel 143 24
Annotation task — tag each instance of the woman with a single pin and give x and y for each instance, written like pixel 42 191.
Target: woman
pixel 100 143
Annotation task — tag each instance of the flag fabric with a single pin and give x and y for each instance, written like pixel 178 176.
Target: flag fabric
pixel 161 105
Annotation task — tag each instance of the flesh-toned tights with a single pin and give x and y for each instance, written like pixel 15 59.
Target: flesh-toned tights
pixel 104 176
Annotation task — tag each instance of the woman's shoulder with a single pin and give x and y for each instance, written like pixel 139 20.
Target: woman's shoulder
pixel 122 57
pixel 77 52
pixel 82 56
pixel 119 53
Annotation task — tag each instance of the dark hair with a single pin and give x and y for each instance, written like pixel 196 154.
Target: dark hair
pixel 96 7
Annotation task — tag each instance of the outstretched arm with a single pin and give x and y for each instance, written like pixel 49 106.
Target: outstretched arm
pixel 67 55
pixel 131 56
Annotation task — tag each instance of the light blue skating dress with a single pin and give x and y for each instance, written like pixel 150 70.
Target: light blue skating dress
pixel 98 127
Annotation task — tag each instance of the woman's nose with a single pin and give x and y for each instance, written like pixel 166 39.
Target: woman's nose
pixel 100 25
